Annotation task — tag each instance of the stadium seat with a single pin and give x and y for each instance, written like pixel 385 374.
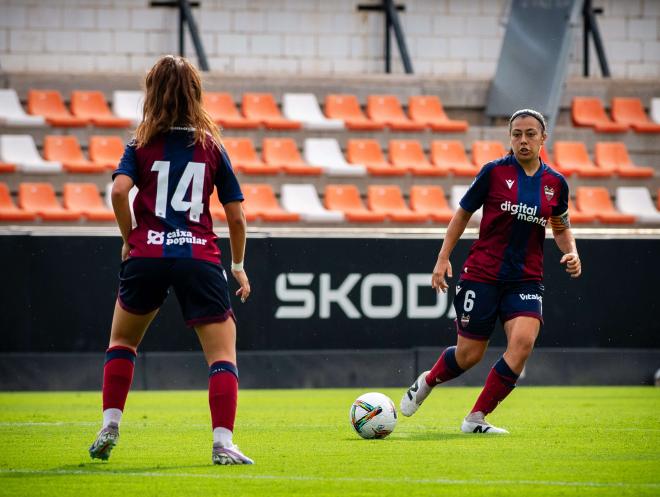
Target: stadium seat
pixel 485 151
pixel 346 198
pixel 637 201
pixel 387 110
pixel 40 198
pixel 368 153
pixel 613 156
pixel 655 110
pixel 449 155
pixel 7 167
pixel 457 193
pixel 572 157
pixel 22 151
pixel 224 112
pixel 128 105
pixel 577 216
pixel 243 155
pixel 49 105
pixel 596 200
pixel 260 201
pixel 431 201
pixel 305 108
pixel 66 149
pixel 544 154
pixel 630 112
pixel 216 209
pixel 9 211
pixel 410 155
pixel 11 112
pixel 428 110
pixel 303 199
pixel 347 108
pixel 283 154
pixel 91 105
pixel 132 193
pixel 85 198
pixel 261 107
pixel 388 200
pixel 326 153
pixel 589 112
pixel 106 151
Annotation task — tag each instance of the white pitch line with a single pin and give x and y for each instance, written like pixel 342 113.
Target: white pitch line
pixel 428 481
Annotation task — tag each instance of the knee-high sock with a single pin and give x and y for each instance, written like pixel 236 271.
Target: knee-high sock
pixel 117 376
pixel 445 369
pixel 223 394
pixel 499 383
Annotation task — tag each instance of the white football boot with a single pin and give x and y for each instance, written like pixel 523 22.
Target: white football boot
pixel 476 423
pixel 229 455
pixel 415 395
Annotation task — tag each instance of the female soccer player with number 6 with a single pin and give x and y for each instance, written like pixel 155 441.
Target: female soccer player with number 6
pixel 176 160
pixel 503 274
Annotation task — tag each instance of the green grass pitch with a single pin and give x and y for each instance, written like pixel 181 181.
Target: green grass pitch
pixel 563 441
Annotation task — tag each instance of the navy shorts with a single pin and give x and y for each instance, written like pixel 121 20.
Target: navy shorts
pixel 478 305
pixel 200 287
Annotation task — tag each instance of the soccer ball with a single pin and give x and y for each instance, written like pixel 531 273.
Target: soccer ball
pixel 373 415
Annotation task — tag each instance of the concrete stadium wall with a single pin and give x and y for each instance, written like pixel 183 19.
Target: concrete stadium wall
pixel 448 38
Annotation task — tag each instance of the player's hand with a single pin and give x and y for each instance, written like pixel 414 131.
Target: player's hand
pixel 125 249
pixel 441 272
pixel 244 291
pixel 573 264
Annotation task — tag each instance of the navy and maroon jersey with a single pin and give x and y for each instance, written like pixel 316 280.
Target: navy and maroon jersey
pixel 516 210
pixel 175 179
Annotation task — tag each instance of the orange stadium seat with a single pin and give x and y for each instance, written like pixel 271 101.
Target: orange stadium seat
pixel 40 198
pixel 485 151
pixel 260 202
pixel 431 201
pixel 572 157
pixel 66 149
pixel 544 154
pixel 386 109
pixel 589 112
pixel 85 198
pixel 223 111
pixel 9 211
pixel 91 105
pixel 428 110
pixel 346 198
pixel 261 107
pixel 409 154
pixel 449 155
pixel 49 104
pixel 630 111
pixel 577 216
pixel 613 156
pixel 243 154
pixel 7 167
pixel 596 200
pixel 389 200
pixel 218 211
pixel 347 108
pixel 106 151
pixel 283 153
pixel 368 153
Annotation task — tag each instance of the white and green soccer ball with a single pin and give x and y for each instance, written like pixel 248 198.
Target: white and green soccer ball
pixel 373 415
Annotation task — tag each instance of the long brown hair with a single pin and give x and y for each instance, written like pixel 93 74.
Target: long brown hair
pixel 173 97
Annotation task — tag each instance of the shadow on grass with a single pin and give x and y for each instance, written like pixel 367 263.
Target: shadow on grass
pixel 413 437
pixel 101 467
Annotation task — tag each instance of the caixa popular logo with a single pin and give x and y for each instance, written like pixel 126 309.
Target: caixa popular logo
pixel 303 295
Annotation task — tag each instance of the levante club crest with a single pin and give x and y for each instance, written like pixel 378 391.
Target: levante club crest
pixel 549 192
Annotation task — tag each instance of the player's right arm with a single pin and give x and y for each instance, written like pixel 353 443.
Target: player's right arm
pixel 442 269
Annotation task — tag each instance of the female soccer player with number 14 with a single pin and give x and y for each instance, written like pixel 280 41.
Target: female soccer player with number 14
pixel 502 276
pixel 175 160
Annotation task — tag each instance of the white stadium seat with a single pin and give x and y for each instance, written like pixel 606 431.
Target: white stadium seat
pixel 457 193
pixel 305 108
pixel 12 114
pixel 303 199
pixel 22 151
pixel 325 153
pixel 655 110
pixel 636 200
pixel 131 197
pixel 128 105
